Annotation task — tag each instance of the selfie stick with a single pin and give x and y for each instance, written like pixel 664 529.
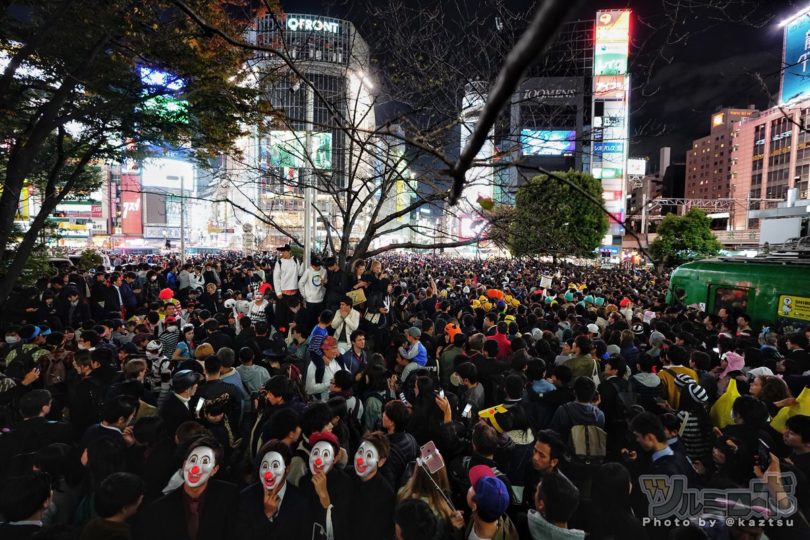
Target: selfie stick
pixel 421 463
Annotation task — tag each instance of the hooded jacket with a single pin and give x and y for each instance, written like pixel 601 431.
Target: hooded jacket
pixel 541 529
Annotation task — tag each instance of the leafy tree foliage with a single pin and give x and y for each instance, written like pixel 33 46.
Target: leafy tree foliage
pixel 684 238
pixel 73 94
pixel 553 218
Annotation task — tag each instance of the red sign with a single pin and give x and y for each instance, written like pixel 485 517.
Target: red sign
pixel 609 86
pixel 131 204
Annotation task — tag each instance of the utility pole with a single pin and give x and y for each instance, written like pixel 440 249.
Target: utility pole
pixel 182 219
pixel 308 189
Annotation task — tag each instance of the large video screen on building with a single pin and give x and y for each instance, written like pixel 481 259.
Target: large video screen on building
pixel 796 75
pixel 283 148
pixel 542 142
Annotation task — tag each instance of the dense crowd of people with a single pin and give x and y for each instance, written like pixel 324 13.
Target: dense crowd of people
pixel 408 397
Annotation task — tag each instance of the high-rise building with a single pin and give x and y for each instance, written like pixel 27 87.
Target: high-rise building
pixel 708 160
pixel 316 132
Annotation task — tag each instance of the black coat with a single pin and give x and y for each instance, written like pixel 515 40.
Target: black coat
pixel 18 532
pixel 29 436
pixel 165 518
pixel 340 489
pixel 84 400
pixel 219 340
pixel 81 313
pixel 290 523
pixel 374 500
pixel 174 413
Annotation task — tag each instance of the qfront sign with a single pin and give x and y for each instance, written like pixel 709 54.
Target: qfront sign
pixel 305 24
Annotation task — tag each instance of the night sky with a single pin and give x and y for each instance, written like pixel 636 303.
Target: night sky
pixel 715 62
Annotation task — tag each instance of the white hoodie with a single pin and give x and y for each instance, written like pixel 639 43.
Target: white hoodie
pixel 285 275
pixel 312 285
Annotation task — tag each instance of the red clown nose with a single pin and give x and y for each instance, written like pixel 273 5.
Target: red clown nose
pixel 195 470
pixel 359 461
pixel 318 462
pixel 268 475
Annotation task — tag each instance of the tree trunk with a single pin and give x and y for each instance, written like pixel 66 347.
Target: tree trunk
pixel 8 209
pixel 24 250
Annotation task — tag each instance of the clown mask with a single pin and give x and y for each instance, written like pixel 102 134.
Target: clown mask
pixel 199 466
pixel 271 471
pixel 366 460
pixel 321 458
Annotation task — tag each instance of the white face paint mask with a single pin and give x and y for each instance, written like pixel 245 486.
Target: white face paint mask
pixel 321 458
pixel 271 470
pixel 366 459
pixel 199 466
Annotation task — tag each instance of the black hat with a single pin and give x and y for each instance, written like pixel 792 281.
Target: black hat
pixel 185 379
pixel 285 247
pixel 316 261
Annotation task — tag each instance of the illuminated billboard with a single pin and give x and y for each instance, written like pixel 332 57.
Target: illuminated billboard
pixel 612 40
pixel 796 76
pixel 284 148
pixel 167 174
pixel 609 86
pixel 471 227
pixel 131 200
pixel 166 91
pixel 610 111
pixel 548 142
pixel 636 167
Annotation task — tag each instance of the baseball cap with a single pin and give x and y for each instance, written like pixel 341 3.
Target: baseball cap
pixel 593 329
pixel 29 332
pixel 491 495
pixel 185 379
pixel 414 332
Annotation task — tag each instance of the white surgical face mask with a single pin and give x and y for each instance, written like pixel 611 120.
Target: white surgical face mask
pixel 366 459
pixel 271 470
pixel 153 278
pixel 321 458
pixel 199 466
pixel 11 340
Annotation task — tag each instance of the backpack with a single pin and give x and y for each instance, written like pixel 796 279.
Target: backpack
pixel 626 400
pixel 589 443
pixel 383 400
pixel 23 363
pixel 354 426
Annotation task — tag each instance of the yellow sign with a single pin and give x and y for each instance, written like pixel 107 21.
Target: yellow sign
pixel 794 307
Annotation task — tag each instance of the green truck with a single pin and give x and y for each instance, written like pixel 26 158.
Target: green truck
pixel 773 291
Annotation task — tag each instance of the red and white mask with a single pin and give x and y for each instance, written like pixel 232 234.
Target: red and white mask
pixel 271 470
pixel 366 459
pixel 199 466
pixel 321 458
